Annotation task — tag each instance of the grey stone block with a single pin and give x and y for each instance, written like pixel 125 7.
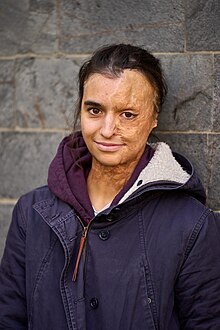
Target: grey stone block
pixel 45 92
pixel 202 25
pixel 214 177
pixel 168 38
pixel 98 16
pixel 7 106
pixel 189 103
pixel 85 25
pixel 25 158
pixel 7 91
pixel 6 71
pixel 5 219
pixel 193 147
pixel 46 41
pixel 42 5
pixel 216 115
pixel 27 27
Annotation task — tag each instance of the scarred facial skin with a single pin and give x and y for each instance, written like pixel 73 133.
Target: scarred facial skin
pixel 117 116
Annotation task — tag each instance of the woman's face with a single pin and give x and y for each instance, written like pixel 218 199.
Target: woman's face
pixel 117 116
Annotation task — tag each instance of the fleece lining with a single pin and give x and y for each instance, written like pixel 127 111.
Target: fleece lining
pixel 162 167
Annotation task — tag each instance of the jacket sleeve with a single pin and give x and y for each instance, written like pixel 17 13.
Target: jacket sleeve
pixel 198 284
pixel 13 313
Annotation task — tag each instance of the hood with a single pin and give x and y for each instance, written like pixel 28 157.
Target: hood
pixel 158 168
pixel 166 171
pixel 68 172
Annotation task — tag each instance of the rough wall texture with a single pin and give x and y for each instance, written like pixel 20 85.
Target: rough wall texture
pixel 43 43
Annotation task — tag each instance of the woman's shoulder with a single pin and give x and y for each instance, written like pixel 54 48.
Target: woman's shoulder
pixel 185 207
pixel 24 207
pixel 36 195
pixel 178 210
pixel 40 202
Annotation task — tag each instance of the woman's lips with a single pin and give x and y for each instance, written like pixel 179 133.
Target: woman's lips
pixel 103 146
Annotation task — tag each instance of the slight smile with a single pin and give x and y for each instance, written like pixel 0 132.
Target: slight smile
pixel 111 147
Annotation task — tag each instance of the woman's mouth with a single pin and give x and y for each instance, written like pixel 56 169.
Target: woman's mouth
pixel 111 147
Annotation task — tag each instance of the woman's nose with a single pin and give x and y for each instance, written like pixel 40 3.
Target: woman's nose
pixel 108 126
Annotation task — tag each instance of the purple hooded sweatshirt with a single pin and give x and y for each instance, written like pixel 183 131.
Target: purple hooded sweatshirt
pixel 69 170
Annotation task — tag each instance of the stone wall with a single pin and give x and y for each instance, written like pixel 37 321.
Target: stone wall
pixel 44 42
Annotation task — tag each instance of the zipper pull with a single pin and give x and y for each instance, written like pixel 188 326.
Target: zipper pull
pixel 81 246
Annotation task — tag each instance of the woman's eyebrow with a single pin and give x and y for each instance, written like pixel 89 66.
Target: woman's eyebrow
pixel 92 103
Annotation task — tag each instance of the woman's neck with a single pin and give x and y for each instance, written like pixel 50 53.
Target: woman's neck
pixel 105 182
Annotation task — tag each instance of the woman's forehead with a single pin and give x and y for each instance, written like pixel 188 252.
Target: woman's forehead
pixel 128 84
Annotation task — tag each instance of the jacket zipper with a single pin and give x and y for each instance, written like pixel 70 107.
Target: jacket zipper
pixel 81 246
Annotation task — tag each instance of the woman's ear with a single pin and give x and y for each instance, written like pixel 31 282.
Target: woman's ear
pixel 155 121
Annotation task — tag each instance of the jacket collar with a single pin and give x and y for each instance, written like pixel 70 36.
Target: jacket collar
pixel 59 216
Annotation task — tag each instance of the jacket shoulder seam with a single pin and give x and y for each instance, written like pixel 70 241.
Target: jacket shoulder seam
pixel 195 232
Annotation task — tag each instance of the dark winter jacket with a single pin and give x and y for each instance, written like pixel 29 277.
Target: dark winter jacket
pixel 150 262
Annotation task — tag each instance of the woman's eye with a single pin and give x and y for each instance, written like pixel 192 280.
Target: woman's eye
pixel 128 115
pixel 94 111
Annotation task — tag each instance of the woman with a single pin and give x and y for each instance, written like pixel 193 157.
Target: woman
pixel 120 238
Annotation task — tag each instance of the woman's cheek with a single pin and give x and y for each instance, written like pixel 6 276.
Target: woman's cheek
pixel 126 129
pixel 90 126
